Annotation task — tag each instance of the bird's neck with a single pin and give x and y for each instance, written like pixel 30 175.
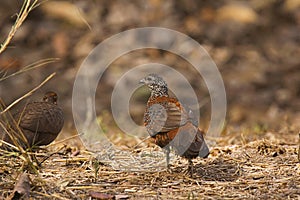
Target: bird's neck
pixel 159 92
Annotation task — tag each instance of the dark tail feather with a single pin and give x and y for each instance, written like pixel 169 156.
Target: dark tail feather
pixel 198 147
pixel 204 151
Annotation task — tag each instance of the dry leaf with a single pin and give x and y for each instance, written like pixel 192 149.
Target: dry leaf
pixel 291 5
pixel 66 11
pixel 238 13
pixel 22 187
pixel 99 195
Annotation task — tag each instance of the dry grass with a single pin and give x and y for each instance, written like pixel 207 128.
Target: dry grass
pixel 264 169
pixel 27 7
pixel 28 93
pixel 260 169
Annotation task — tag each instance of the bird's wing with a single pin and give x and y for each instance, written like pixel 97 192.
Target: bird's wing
pixel 164 114
pixel 41 117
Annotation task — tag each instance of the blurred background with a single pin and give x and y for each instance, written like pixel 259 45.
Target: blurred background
pixel 255 44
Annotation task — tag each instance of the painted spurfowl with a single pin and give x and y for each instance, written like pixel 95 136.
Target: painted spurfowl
pixel 171 124
pixel 40 122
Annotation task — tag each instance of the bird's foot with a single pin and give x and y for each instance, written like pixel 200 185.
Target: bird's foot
pixel 191 172
pixel 190 169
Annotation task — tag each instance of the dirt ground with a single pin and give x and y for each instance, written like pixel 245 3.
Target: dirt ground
pixel 262 169
pixel 255 45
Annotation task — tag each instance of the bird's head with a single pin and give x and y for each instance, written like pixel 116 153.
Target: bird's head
pixel 156 85
pixel 50 97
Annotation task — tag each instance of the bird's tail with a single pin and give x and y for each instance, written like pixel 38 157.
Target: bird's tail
pixel 189 142
pixel 204 150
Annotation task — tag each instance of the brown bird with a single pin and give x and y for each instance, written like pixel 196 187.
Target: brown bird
pixel 40 122
pixel 171 124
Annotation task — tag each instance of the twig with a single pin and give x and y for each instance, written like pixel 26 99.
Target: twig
pixel 83 19
pixel 28 93
pixel 21 16
pixel 143 140
pixel 47 157
pixel 34 65
pixel 65 139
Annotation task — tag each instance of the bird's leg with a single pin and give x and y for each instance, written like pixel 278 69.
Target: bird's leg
pixel 191 167
pixel 167 151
